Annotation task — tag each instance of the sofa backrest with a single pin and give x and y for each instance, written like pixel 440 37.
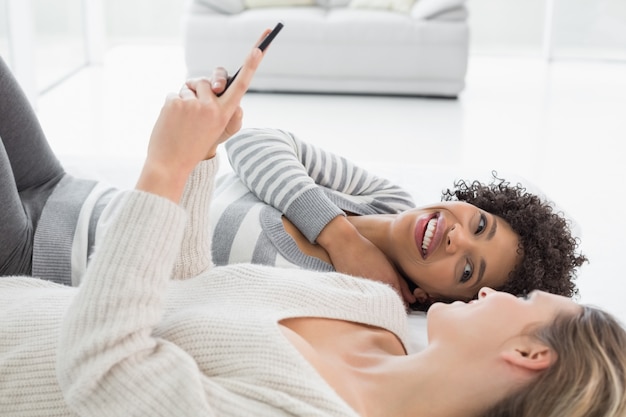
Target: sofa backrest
pixel 419 9
pixel 333 3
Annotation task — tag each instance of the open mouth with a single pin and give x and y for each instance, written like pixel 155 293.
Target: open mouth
pixel 426 234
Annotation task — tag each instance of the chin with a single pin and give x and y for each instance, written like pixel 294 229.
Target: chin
pixel 443 318
pixel 445 311
pixel 436 309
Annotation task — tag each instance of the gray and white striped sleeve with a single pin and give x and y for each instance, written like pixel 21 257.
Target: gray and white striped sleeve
pixel 286 173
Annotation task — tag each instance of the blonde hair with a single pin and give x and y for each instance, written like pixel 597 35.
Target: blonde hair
pixel 588 379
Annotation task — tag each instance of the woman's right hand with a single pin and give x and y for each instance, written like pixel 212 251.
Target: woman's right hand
pixel 351 253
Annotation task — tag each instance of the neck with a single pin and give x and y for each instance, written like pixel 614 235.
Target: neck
pixel 428 384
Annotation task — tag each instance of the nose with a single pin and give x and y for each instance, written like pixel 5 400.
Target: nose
pixel 458 239
pixel 484 292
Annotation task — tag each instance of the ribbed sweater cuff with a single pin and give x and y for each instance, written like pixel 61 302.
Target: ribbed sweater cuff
pixel 311 212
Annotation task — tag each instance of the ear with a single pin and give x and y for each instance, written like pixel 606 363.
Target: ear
pixel 421 295
pixel 530 355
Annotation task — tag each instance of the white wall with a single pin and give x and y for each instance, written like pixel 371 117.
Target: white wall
pixel 143 20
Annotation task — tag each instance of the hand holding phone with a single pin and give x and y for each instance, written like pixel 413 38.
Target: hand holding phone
pixel 262 46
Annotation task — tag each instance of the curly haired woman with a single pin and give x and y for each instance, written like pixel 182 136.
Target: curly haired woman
pixel 318 211
pixel 290 203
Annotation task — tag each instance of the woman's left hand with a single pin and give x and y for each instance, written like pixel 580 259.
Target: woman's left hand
pixel 218 82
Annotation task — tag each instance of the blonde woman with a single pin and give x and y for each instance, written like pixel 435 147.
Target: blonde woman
pixel 154 329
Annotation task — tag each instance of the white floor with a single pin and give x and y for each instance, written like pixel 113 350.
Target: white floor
pixel 559 125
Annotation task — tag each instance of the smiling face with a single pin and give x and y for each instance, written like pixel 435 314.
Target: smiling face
pixel 495 316
pixel 452 249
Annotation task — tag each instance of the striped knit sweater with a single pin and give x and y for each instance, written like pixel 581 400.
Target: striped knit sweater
pixel 276 173
pixel 155 330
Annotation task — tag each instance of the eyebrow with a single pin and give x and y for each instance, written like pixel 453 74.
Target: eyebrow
pixel 490 235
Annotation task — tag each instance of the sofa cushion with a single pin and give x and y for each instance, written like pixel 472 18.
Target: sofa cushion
pixel 251 4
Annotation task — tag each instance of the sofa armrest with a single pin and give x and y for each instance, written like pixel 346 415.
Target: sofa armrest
pixel 451 15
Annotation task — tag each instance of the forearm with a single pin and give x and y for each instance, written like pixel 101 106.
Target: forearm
pixel 338 235
pixel 258 155
pixel 271 164
pixel 108 354
pixel 163 180
pixel 287 173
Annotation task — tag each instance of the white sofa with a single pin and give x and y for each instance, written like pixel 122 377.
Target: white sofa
pixel 413 47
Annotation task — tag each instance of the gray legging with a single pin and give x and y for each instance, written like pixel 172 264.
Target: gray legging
pixel 29 171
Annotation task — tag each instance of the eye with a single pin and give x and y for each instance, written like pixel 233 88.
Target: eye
pixel 482 223
pixel 468 270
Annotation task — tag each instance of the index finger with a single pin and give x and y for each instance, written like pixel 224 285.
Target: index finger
pixel 244 77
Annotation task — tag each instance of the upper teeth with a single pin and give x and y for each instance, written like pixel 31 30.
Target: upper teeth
pixel 428 234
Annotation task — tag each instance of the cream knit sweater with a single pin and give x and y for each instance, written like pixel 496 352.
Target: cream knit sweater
pixel 155 330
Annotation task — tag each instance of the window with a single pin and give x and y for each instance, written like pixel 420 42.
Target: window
pixel 4 31
pixel 59 40
pixel 510 27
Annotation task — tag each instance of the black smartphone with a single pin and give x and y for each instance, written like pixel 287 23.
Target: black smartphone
pixel 262 46
pixel 270 36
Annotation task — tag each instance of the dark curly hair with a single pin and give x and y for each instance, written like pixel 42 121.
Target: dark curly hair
pixel 547 245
